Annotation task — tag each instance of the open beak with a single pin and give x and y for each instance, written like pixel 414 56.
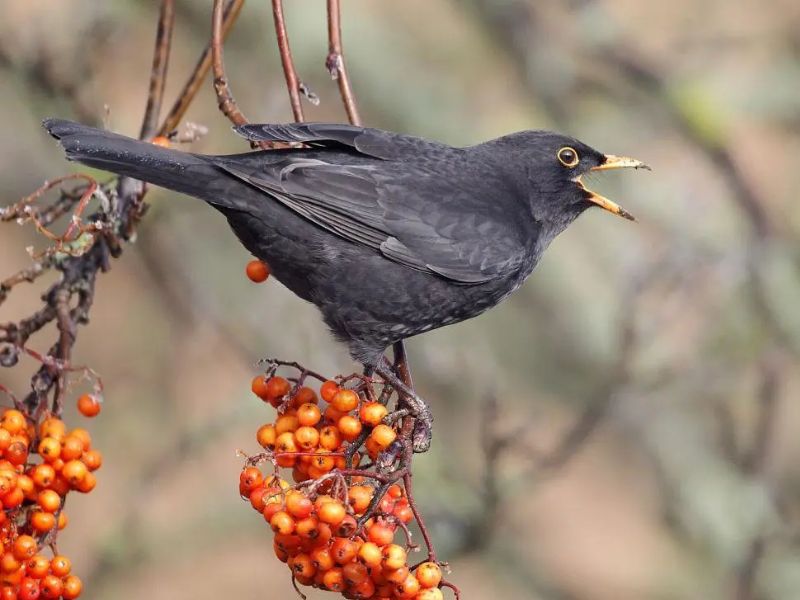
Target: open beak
pixel 612 162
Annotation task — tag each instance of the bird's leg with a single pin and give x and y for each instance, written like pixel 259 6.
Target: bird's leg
pixel 424 418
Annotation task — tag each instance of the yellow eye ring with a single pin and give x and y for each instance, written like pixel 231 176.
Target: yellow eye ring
pixel 568 157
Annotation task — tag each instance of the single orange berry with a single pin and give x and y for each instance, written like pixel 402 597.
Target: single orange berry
pixel 259 387
pixel 380 534
pixel 13 421
pixel 322 559
pixel 383 435
pixel 330 438
pixel 333 580
pixel 87 484
pixel 332 513
pixel 372 413
pixel 17 453
pixel 394 557
pixel 307 528
pixel 343 550
pixel 429 575
pixel 43 475
pixel 52 587
pixel 74 471
pixel 160 140
pixel 308 414
pixel 5 440
pixel 93 459
pixel 359 497
pixel 282 522
pixel 397 576
pixel 354 573
pixel 49 501
pixel 37 566
pixel 302 566
pixel 63 520
pixel 257 271
pixel 328 390
pixel 370 554
pixel 53 427
pixel 88 405
pixel 73 587
pixel 277 387
pixel 266 435
pixel 298 504
pixel 350 427
pixel 303 395
pixel 24 547
pixel 287 422
pixel 49 449
pixel 83 436
pixel 409 588
pixel 71 448
pixel 345 400
pixel 60 565
pixel 9 563
pixel 42 521
pixel 430 594
pixel 363 590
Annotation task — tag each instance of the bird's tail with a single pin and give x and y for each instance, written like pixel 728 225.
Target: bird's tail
pixel 180 171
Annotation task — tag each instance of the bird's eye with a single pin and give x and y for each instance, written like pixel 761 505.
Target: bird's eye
pixel 568 157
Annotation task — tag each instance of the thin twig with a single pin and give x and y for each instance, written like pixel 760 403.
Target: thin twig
pixel 158 74
pixel 293 84
pixel 335 62
pixel 195 80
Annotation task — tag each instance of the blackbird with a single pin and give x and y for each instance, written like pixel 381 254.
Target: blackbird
pixel 389 235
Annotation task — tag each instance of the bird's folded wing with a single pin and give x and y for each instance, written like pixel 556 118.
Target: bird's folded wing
pixel 417 218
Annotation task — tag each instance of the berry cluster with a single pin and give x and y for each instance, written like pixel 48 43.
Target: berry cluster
pixel 335 526
pixel 39 465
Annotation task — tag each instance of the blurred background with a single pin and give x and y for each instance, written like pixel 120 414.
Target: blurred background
pixel 625 426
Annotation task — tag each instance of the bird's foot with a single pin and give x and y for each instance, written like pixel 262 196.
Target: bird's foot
pixel 416 406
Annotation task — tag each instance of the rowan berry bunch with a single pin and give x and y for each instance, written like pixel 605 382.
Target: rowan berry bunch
pixel 335 488
pixel 41 463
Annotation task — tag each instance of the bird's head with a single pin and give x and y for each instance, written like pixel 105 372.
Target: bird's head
pixel 554 167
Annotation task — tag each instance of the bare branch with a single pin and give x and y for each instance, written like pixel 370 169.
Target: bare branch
pixel 335 62
pixel 158 75
pixel 293 84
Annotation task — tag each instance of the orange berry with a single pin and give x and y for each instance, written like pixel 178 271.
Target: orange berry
pixel 345 400
pixel 251 478
pixel 298 504
pixel 37 566
pixel 333 580
pixel 277 387
pixel 257 271
pixel 266 435
pixel 394 557
pixel 370 554
pixel 394 491
pixel 14 498
pixel 74 471
pixel 354 573
pixel 343 550
pixel 42 521
pixel 429 575
pixel 322 559
pixel 60 565
pixel 17 453
pixel 397 576
pixel 383 436
pixel 49 449
pixel 71 448
pixel 303 395
pixel 430 594
pixel 328 390
pixel 53 427
pixel 88 405
pixel 359 497
pixel 5 440
pixel 285 444
pixel 409 588
pixel 363 590
pixel 308 528
pixel 83 436
pixel 307 437
pixel 302 566
pixel 286 423
pixel 43 475
pixel 350 427
pixel 24 547
pixel 13 421
pixel 308 414
pixel 347 527
pixel 160 140
pixel 87 484
pixel 93 459
pixel 330 438
pixel 372 413
pixel 49 501
pixel 282 522
pixel 73 587
pixel 51 587
pixel 380 533
pixel 322 462
pixel 9 563
pixel 63 521
pixel 332 513
pixel 258 386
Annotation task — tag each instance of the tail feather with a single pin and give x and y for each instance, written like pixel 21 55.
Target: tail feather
pixel 180 171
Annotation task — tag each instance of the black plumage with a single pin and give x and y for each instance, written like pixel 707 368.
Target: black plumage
pixel 389 235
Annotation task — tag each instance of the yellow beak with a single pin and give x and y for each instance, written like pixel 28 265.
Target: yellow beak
pixel 612 162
